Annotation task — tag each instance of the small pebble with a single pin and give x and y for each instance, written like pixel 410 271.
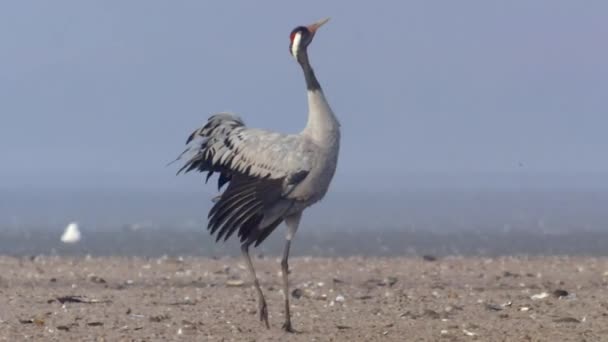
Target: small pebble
pixel 428 257
pixel 296 293
pixel 559 293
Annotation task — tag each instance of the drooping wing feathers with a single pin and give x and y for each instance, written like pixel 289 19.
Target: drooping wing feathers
pixel 261 168
pixel 242 207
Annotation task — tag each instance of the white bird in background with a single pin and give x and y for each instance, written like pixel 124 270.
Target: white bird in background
pixel 71 234
pixel 272 176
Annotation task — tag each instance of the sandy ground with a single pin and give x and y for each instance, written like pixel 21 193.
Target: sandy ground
pixel 340 299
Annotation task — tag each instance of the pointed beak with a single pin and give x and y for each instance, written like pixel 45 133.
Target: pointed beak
pixel 315 26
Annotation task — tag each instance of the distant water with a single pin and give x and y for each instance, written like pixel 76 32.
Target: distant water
pixel 439 222
pixel 158 242
pixel 423 210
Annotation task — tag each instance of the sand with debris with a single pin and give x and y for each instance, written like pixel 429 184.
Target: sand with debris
pixel 338 299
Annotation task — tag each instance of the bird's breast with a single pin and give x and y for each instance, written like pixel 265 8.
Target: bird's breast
pixel 314 187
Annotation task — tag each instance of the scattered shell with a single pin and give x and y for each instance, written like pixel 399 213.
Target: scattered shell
pixel 159 318
pixel 37 321
pixel 390 281
pixel 498 307
pixel 510 274
pixel 494 307
pixel 78 299
pixel 373 283
pixel 432 314
pixel 566 320
pixel 96 279
pixel 310 294
pixel 469 333
pixel 234 282
pixel 524 308
pixel 339 298
pixel 225 270
pixel 541 295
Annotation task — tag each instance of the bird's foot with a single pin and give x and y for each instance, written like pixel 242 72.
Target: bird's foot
pixel 263 310
pixel 288 328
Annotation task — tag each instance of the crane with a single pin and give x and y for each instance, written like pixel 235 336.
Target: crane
pixel 272 177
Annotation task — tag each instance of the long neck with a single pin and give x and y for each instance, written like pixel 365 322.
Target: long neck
pixel 309 74
pixel 322 123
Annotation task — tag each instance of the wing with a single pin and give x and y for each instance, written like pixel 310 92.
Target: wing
pixel 261 167
pixel 227 146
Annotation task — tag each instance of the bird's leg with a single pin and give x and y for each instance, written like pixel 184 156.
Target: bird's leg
pixel 284 272
pixel 292 223
pixel 262 308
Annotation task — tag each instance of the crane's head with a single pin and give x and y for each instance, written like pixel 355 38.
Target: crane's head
pixel 301 36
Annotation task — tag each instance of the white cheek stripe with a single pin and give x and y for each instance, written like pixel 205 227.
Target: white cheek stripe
pixel 295 45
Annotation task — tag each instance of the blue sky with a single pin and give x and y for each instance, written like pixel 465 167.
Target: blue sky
pixel 476 93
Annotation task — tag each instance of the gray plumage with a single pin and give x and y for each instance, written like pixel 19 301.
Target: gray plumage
pixel 272 177
pixel 263 169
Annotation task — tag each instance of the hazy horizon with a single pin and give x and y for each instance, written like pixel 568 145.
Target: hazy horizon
pixel 432 210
